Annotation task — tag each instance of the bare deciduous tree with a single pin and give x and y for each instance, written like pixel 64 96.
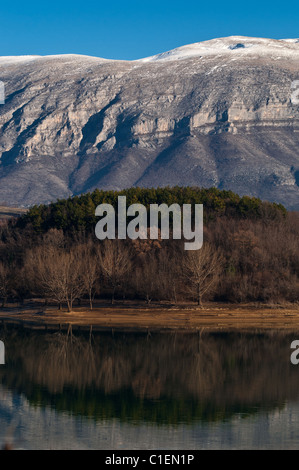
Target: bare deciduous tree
pixel 201 268
pixel 5 280
pixel 58 274
pixel 90 271
pixel 148 277
pixel 115 262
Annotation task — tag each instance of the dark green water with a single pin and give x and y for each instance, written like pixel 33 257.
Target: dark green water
pixel 164 391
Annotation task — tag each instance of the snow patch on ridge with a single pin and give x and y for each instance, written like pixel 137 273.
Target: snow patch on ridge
pixel 7 60
pixel 234 45
pixel 12 60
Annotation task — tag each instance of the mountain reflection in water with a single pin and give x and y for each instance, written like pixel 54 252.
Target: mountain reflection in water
pixel 177 382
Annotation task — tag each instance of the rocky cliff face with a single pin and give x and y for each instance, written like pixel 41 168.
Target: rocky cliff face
pixel 218 113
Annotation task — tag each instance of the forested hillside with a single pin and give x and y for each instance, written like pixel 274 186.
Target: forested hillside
pixel 250 253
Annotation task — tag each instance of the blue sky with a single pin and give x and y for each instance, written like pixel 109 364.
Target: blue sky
pixel 134 29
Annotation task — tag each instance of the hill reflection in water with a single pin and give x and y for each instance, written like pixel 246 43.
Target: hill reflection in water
pixel 166 378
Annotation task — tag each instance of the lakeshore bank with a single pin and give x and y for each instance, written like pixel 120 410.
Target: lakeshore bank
pixel 154 317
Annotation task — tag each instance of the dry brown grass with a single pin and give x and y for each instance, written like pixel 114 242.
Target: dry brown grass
pixel 212 316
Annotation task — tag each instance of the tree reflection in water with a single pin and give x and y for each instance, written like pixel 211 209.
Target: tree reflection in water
pixel 163 378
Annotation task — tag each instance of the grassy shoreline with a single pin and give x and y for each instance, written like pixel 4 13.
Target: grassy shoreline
pixel 137 317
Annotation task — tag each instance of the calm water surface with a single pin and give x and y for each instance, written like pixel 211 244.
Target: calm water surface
pixel 224 390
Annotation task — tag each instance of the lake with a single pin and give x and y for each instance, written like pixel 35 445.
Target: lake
pixel 178 390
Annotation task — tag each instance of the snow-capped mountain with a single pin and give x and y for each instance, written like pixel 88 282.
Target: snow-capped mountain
pixel 216 113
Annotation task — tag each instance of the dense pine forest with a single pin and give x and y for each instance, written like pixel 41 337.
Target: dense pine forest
pixel 78 213
pixel 250 253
